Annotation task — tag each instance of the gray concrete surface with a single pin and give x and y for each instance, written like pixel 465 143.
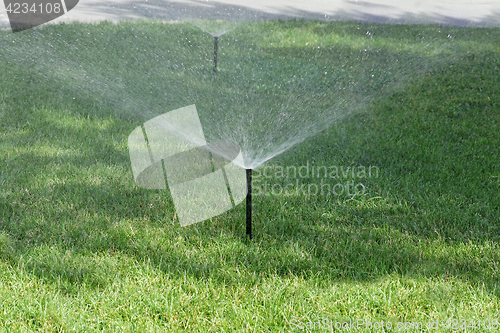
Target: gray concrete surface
pixel 445 12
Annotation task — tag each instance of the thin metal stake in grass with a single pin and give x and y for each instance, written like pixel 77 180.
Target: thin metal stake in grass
pixel 215 53
pixel 249 203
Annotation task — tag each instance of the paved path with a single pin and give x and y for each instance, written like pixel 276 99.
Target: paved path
pixel 447 12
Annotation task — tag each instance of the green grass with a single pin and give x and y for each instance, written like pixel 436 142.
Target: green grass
pixel 83 248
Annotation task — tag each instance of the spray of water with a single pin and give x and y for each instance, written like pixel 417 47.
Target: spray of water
pixel 216 28
pixel 267 99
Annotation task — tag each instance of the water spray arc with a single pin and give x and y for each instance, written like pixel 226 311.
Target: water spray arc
pixel 266 104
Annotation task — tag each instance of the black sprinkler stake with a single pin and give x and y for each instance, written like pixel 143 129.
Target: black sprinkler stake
pixel 249 203
pixel 215 53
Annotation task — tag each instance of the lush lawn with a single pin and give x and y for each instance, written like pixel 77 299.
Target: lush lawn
pixel 83 248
